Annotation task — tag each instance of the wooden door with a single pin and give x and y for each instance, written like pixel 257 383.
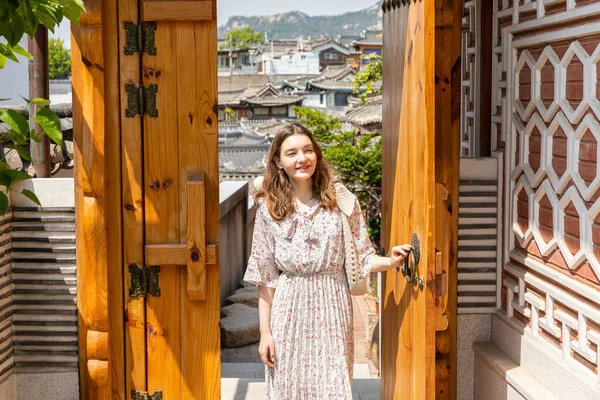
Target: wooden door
pixel 171 198
pixel 420 172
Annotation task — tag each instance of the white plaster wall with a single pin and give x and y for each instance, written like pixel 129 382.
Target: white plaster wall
pixel 14 79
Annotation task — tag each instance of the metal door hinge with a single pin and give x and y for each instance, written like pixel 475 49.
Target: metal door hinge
pixel 141 100
pixel 137 395
pixel 143 280
pixel 139 38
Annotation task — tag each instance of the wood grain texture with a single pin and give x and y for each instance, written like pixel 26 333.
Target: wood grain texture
pixel 184 11
pixel 132 206
pixel 196 238
pixel 447 151
pixel 89 128
pixel 113 206
pixel 408 315
pixel 177 254
pixel 197 126
pixel 161 172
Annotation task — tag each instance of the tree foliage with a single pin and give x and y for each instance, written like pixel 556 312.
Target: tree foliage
pixel 365 81
pixel 59 66
pixel 357 159
pixel 242 39
pixel 20 17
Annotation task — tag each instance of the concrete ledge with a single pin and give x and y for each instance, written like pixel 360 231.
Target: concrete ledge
pixel 510 381
pixel 52 192
pixel 543 361
pixel 471 328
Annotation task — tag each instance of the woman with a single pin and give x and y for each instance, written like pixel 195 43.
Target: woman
pixel 297 262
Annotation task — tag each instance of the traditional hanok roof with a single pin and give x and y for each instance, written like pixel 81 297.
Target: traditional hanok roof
pixel 330 45
pixel 334 77
pixel 270 128
pixel 259 95
pixel 330 84
pixel 370 38
pixel 240 149
pixel 274 100
pixel 362 115
pixel 336 72
pixel 346 40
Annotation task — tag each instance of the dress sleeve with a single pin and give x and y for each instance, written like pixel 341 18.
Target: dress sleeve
pixel 261 269
pixel 364 248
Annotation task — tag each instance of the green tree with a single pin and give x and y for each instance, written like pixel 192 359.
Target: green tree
pixel 365 81
pixel 20 17
pixel 17 18
pixel 357 159
pixel 242 39
pixel 59 60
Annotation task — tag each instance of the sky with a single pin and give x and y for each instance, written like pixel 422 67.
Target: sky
pixel 228 8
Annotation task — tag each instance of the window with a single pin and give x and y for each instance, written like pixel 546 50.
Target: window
pixel 322 100
pixel 341 99
pixel 279 110
pixel 261 111
pixel 331 56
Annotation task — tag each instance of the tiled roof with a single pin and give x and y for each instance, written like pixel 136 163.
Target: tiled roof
pixel 331 84
pixel 255 95
pixel 346 40
pixel 362 115
pixel 275 101
pixel 334 72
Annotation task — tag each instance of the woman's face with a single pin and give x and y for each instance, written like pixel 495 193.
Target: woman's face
pixel 298 158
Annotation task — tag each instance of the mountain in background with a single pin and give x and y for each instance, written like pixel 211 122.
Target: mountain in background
pixel 291 25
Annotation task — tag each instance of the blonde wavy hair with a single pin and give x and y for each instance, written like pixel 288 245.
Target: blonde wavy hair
pixel 277 189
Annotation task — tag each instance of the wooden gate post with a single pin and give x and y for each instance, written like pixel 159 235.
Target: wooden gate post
pixel 97 138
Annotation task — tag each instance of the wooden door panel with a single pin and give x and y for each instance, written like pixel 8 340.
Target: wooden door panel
pixel 408 330
pixel 197 125
pixel 132 168
pixel 182 329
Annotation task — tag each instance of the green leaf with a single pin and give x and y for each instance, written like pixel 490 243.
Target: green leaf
pixel 15 121
pixel 3 203
pixel 30 22
pixel 50 124
pixel 7 52
pixel 72 12
pixel 5 179
pixel 40 102
pixel 31 196
pixel 23 153
pixel 22 52
pixel 17 175
pixel 2 61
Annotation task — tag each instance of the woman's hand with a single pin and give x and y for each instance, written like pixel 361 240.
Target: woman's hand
pixel 398 254
pixel 266 349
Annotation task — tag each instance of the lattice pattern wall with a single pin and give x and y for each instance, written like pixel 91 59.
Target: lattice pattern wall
pixel 546 91
pixel 470 79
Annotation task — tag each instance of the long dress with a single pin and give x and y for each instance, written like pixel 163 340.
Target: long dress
pixel 302 257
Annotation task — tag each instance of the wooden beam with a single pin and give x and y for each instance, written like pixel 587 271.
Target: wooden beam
pixel 191 10
pixel 177 254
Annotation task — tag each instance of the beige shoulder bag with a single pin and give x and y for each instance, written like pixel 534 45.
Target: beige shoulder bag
pixel 345 201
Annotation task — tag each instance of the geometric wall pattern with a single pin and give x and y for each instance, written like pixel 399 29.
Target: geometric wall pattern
pixel 470 79
pixel 546 98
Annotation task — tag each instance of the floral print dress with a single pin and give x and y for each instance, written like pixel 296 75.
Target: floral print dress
pixel 302 257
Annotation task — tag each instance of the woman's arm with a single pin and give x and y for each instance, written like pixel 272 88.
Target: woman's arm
pixel 399 253
pixel 266 348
